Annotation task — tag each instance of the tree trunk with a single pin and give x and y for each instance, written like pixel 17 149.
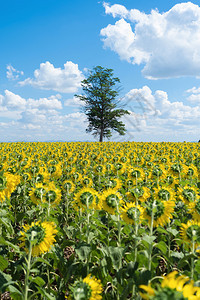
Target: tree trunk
pixel 101 135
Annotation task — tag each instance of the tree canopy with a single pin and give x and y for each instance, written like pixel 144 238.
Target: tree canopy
pixel 101 104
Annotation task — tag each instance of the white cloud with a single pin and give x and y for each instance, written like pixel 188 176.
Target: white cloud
pixel 45 103
pixel 73 102
pixel 34 116
pixel 156 118
pixel 12 73
pixel 166 43
pixel 195 95
pixel 13 101
pixel 31 126
pixel 116 10
pixel 194 90
pixel 47 77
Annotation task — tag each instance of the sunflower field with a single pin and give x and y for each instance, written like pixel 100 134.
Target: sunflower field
pixel 92 221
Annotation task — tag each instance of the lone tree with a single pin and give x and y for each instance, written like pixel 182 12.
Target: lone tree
pixel 100 106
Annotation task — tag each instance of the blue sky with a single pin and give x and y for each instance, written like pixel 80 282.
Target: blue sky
pixel 48 46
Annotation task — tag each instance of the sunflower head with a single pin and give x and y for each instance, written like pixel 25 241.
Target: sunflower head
pixel 132 213
pixel 41 235
pixel 68 186
pixel 90 288
pixel 190 232
pixel 160 210
pixel 164 193
pixel 53 194
pixel 194 208
pixel 111 200
pixel 87 198
pixel 37 194
pixel 173 287
pixel 188 194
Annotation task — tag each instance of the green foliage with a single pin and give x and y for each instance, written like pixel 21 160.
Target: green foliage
pixel 101 105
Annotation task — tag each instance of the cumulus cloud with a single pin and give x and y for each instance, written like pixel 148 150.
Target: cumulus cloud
pixel 12 73
pixel 47 77
pixel 154 117
pixel 45 103
pixel 38 119
pixel 166 43
pixel 195 95
pixel 11 101
pixel 73 102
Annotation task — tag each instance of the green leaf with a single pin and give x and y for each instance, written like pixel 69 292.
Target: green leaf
pixel 39 281
pixel 6 243
pixel 45 294
pixel 162 247
pixel 4 280
pixel 131 268
pixel 116 256
pixel 35 271
pixel 161 230
pixel 142 277
pixel 83 252
pixel 7 224
pixel 177 254
pixel 3 263
pixel 173 231
pixel 149 239
pixel 197 266
pixel 15 294
pixel 42 260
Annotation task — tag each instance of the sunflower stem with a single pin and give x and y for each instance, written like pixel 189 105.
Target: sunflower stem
pixel 49 207
pixel 118 225
pixel 151 234
pixel 192 259
pixel 136 228
pixel 88 229
pixel 26 284
pixel 67 205
pixel 99 182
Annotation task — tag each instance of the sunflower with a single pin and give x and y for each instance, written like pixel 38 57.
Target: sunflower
pixel 187 194
pixel 42 176
pixel 99 169
pixel 53 194
pixel 192 171
pixel 76 176
pixel 158 172
pixel 113 183
pixel 109 167
pixel 132 213
pixel 119 167
pixel 37 194
pixel 170 180
pixel 194 209
pixel 190 232
pixel 90 288
pixel 86 181
pixel 136 174
pixel 129 183
pixel 111 200
pixel 141 193
pixel 162 211
pixel 172 287
pixel 8 183
pixel 178 169
pixel 68 186
pixel 164 193
pixel 43 235
pixel 87 197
